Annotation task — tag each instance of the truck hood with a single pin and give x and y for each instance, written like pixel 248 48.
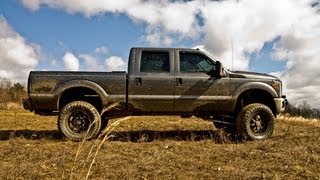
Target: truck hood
pixel 251 75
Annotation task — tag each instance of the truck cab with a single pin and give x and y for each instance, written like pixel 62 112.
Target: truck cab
pixel 176 81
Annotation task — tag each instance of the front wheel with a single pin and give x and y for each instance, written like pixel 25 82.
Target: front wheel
pixel 255 121
pixel 79 120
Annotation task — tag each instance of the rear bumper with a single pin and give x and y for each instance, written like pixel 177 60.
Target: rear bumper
pixel 281 103
pixel 27 104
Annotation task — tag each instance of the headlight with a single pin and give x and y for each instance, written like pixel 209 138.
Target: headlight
pixel 276 84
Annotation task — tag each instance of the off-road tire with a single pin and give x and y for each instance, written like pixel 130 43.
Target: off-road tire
pixel 79 120
pixel 255 122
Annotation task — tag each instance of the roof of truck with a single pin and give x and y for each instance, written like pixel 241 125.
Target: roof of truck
pixel 164 48
pixel 173 48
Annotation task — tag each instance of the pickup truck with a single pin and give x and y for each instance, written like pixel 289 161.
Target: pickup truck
pixel 159 81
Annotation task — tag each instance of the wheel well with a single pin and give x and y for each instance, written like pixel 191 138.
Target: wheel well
pixel 255 96
pixel 80 94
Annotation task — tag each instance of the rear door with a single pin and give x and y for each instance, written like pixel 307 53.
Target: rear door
pixel 197 89
pixel 151 84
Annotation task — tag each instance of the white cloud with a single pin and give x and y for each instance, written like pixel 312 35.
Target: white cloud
pixel 17 57
pixel 115 63
pixel 300 47
pixel 102 50
pixel 87 7
pixel 31 4
pixel 177 17
pixel 90 62
pixel 93 61
pixel 247 23
pixel 71 62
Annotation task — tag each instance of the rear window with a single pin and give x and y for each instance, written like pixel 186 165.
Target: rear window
pixel 155 62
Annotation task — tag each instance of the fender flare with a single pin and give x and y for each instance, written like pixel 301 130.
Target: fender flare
pixel 81 84
pixel 253 86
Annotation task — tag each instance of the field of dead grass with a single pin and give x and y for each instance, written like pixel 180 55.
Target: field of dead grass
pixel 155 147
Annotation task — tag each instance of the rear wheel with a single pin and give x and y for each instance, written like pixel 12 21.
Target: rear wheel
pixel 79 120
pixel 255 122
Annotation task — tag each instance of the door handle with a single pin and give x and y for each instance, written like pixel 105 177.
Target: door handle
pixel 179 81
pixel 138 81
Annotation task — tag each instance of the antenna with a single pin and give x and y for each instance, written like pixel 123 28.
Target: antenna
pixel 232 53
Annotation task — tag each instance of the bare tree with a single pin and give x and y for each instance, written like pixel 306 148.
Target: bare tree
pixel 303 110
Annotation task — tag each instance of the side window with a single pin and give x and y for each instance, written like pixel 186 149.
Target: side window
pixel 192 62
pixel 154 62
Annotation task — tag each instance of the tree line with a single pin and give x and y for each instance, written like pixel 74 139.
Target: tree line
pixel 11 92
pixel 303 110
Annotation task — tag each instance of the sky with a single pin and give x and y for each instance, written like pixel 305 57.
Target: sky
pixel 278 37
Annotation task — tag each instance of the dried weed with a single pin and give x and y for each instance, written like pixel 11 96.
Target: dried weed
pixel 156 148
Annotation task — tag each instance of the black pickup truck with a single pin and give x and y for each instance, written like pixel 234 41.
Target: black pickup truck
pixel 160 81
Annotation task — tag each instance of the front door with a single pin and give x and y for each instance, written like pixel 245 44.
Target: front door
pixel 197 89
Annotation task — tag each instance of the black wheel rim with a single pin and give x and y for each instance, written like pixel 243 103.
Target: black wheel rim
pixel 79 121
pixel 259 123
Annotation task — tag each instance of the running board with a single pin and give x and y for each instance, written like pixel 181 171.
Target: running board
pixel 223 122
pixel 221 119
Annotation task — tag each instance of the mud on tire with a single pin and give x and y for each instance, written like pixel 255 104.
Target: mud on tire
pixel 79 120
pixel 255 122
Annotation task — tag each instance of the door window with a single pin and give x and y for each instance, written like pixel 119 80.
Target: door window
pixel 193 62
pixel 155 62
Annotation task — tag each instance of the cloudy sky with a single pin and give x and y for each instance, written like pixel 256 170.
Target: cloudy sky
pixel 279 37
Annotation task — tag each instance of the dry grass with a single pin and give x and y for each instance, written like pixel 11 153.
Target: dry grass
pixel 156 148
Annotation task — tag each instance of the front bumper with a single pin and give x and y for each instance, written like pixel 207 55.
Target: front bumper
pixel 281 103
pixel 27 104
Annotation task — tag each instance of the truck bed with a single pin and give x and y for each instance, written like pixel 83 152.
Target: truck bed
pixel 45 87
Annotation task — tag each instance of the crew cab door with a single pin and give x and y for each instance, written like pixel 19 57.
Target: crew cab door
pixel 151 83
pixel 197 88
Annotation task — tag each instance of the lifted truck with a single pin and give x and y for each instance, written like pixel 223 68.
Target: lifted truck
pixel 160 81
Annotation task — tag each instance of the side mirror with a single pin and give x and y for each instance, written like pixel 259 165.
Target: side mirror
pixel 220 70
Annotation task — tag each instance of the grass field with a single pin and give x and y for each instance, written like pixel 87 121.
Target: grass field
pixel 156 148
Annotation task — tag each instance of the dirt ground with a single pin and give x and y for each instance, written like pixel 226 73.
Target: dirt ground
pixel 156 147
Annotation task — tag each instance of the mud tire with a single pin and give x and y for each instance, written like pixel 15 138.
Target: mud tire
pixel 255 122
pixel 79 120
